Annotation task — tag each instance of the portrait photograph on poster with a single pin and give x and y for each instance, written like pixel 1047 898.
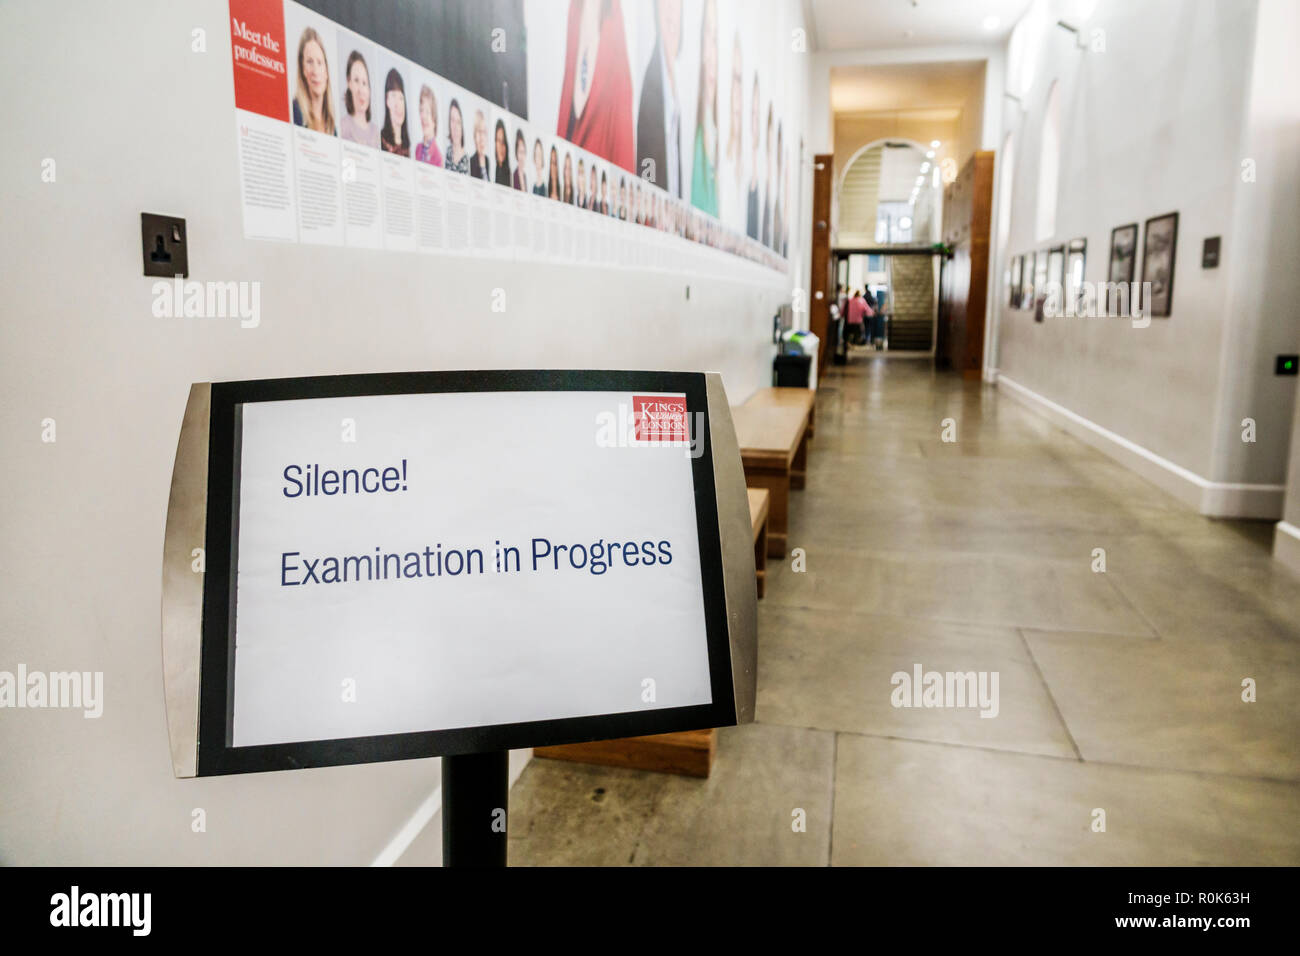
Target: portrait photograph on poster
pixel 1158 249
pixel 427 127
pixel 315 78
pixel 362 110
pixel 395 126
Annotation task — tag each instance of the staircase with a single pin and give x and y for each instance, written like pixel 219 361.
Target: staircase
pixel 910 336
pixel 912 284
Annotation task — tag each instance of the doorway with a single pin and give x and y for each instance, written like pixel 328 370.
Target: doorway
pixel 903 284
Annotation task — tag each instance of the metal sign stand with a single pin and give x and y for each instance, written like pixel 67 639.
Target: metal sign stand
pixel 475 804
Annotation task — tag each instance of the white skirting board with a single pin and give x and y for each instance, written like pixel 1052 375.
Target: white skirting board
pixel 1286 546
pixel 1214 499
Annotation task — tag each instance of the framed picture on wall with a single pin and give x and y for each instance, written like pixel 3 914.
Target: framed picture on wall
pixel 1013 291
pixel 1123 253
pixel 1056 266
pixel 1076 254
pixel 1027 282
pixel 1158 251
pixel 1040 284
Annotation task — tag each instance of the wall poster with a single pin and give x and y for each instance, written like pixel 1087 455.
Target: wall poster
pixel 468 127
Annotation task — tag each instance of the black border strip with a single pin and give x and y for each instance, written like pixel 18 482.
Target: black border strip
pixel 215 753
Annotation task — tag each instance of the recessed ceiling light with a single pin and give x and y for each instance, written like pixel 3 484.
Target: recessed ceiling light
pixel 905 223
pixel 934 144
pixel 925 167
pixel 919 180
pixel 991 23
pixel 930 155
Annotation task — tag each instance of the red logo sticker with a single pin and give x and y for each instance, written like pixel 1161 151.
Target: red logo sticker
pixel 660 418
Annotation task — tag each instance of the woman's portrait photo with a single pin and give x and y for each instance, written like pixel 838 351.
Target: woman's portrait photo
pixel 356 125
pixel 426 150
pixel 753 202
pixel 395 138
pixel 596 93
pixel 704 169
pixel 520 180
pixel 553 176
pixel 312 99
pixel 539 168
pixel 457 159
pixel 501 148
pixel 479 164
pixel 731 205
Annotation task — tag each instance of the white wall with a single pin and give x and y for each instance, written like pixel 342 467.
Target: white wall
pixel 1264 283
pixel 137 122
pixel 1157 123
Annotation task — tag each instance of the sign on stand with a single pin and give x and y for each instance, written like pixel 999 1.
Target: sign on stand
pixel 380 567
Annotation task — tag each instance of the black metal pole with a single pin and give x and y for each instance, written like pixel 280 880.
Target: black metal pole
pixel 475 798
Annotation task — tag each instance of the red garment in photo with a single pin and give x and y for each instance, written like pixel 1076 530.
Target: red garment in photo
pixel 605 126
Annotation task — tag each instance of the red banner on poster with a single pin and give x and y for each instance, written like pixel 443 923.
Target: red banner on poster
pixel 261 64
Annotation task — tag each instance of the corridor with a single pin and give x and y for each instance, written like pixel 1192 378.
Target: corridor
pixel 1120 626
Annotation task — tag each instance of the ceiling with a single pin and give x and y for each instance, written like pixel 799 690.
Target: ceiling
pixel 893 24
pixel 911 86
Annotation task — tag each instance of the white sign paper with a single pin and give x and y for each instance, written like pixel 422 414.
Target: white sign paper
pixel 424 562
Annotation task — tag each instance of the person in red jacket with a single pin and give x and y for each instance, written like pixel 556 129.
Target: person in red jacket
pixel 596 97
pixel 858 313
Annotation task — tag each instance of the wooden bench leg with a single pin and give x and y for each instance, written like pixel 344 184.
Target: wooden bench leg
pixel 778 512
pixel 799 467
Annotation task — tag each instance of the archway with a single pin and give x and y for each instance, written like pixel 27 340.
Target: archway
pixel 888 197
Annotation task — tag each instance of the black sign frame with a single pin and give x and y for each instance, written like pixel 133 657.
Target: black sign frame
pixel 216 754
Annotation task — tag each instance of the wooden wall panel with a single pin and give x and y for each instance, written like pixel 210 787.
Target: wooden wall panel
pixel 967 225
pixel 821 278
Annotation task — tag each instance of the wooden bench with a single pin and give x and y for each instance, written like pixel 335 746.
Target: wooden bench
pixel 774 451
pixel 688 752
pixel 782 397
pixel 759 500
